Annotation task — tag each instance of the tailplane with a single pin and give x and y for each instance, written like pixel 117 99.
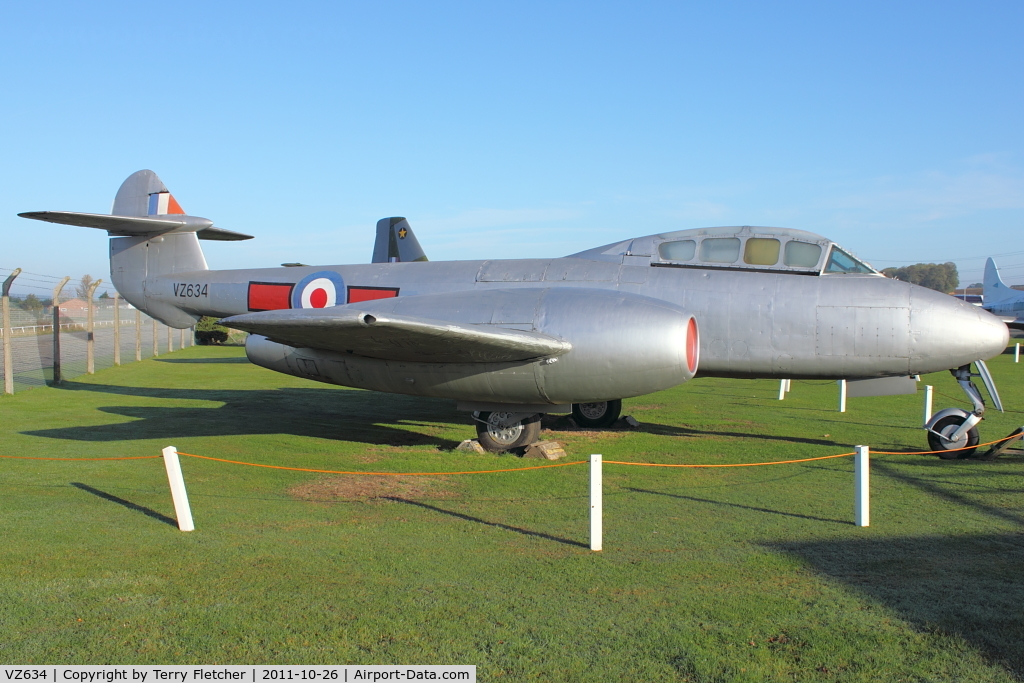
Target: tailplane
pixel 396 243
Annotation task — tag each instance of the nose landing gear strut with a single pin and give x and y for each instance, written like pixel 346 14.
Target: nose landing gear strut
pixel 954 431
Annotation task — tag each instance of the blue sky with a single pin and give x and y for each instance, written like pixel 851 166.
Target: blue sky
pixel 518 130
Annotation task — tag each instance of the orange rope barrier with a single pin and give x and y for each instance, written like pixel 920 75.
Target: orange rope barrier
pixel 383 474
pixel 745 464
pixel 522 469
pixel 948 450
pixel 133 457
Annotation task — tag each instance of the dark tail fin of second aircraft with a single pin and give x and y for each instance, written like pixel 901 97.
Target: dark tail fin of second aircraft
pixel 396 243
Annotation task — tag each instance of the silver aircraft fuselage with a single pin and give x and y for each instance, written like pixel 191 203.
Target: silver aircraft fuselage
pixel 752 324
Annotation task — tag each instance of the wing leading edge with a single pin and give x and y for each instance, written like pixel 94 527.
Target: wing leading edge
pixel 388 336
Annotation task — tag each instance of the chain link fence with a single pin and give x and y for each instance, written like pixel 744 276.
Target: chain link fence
pixel 31 341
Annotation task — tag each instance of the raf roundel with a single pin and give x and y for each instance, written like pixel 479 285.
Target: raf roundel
pixel 318 290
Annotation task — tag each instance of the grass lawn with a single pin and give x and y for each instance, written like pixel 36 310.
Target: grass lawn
pixel 733 574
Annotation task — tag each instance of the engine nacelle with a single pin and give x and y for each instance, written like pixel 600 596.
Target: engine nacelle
pixel 622 345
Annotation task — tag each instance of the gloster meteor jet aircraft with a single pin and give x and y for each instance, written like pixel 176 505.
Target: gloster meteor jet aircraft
pixel 510 340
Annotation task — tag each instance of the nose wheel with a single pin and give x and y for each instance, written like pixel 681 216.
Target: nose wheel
pixel 953 432
pixel 939 438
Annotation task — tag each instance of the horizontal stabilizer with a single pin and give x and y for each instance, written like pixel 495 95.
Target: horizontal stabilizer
pixel 137 226
pixel 347 329
pixel 123 226
pixel 222 235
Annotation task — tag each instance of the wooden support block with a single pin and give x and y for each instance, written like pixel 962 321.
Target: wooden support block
pixel 545 450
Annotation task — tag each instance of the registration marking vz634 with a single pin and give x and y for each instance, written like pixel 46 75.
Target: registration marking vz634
pixel 184 289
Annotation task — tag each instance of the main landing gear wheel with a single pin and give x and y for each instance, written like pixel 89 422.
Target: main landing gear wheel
pixel 946 426
pixel 598 414
pixel 495 438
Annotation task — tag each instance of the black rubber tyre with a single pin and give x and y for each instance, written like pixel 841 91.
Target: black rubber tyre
pixel 498 440
pixel 597 415
pixel 947 426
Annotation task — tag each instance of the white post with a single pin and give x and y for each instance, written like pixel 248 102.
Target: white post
pixel 928 402
pixel 862 508
pixel 178 494
pixel 842 396
pixel 596 525
pixel 782 389
pixel 1016 353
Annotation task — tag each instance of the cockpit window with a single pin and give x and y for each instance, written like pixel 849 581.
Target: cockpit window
pixel 761 251
pixel 841 262
pixel 720 250
pixel 682 250
pixel 801 254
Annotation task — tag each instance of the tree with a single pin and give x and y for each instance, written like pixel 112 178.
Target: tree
pixel 32 304
pixel 942 277
pixel 82 288
pixel 104 295
pixel 209 332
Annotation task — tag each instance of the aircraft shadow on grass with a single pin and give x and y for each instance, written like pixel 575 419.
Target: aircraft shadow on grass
pixel 360 416
pixel 670 430
pixel 966 585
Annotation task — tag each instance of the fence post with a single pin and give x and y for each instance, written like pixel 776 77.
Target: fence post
pixel 8 351
pixel 1016 353
pixel 138 334
pixel 596 519
pixel 117 328
pixel 178 494
pixel 181 338
pixel 56 329
pixel 156 343
pixel 861 467
pixel 90 337
pixel 170 339
pixel 782 389
pixel 842 396
pixel 928 403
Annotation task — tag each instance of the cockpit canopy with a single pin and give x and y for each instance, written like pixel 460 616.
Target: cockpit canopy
pixel 739 248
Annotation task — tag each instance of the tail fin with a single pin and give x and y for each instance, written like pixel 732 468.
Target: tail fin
pixel 994 288
pixel 396 243
pixel 151 236
pixel 144 194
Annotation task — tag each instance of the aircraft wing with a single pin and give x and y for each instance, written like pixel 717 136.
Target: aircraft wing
pixel 394 337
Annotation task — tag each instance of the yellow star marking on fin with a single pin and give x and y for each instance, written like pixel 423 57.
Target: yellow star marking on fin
pixel 402 233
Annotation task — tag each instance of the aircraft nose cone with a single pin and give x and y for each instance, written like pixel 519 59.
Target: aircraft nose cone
pixel 951 332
